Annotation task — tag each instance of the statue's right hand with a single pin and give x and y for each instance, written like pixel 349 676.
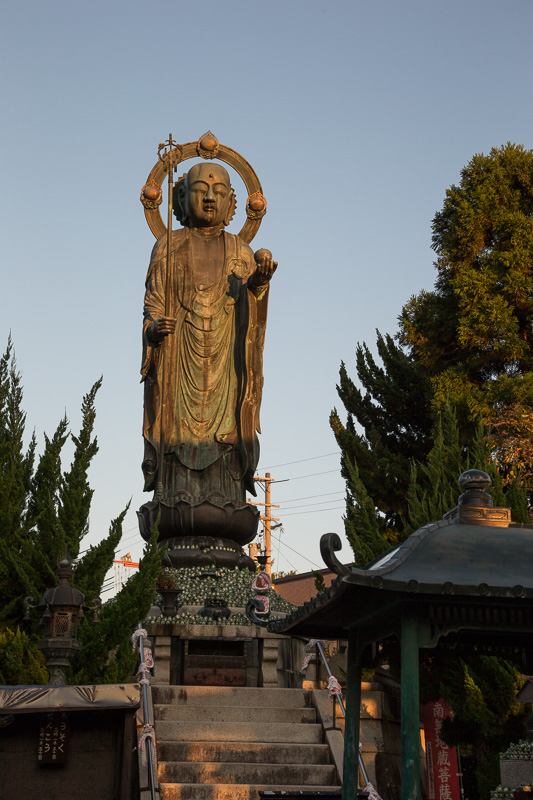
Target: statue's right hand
pixel 161 328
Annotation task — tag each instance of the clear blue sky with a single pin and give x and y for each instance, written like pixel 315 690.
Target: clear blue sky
pixel 356 116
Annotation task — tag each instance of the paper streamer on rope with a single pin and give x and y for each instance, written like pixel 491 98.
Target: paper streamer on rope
pixel 305 662
pixel 147 733
pixel 148 658
pixel 334 688
pixel 372 794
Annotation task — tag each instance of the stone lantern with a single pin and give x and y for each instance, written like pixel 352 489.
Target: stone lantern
pixel 63 609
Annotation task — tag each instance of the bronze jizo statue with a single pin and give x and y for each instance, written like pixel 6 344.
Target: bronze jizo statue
pixel 205 314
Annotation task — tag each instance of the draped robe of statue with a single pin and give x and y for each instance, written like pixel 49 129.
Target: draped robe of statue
pixel 213 377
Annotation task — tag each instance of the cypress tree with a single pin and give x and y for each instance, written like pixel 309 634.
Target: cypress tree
pixel 394 412
pixel 42 510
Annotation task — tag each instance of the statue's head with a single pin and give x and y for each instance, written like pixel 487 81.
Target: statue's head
pixel 204 197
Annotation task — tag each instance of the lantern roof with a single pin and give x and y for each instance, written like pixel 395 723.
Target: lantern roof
pixel 63 594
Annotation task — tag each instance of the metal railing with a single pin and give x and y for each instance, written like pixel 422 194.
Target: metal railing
pixel 146 738
pixel 339 700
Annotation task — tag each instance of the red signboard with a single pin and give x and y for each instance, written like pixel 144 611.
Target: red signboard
pixel 442 762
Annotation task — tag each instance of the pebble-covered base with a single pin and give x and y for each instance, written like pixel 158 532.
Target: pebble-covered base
pixel 232 585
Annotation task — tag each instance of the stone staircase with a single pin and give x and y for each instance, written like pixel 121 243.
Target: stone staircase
pixel 218 743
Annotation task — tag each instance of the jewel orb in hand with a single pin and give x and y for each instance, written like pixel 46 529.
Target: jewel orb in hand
pixel 261 254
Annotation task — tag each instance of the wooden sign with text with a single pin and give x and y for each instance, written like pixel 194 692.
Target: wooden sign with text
pixel 53 738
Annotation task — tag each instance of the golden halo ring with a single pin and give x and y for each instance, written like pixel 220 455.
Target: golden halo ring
pixel 229 156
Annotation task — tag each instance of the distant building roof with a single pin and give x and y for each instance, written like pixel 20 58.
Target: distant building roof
pixel 301 587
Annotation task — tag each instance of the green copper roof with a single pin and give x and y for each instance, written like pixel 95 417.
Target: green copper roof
pixel 475 552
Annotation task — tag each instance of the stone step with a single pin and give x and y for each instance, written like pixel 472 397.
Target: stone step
pixel 250 752
pixel 258 715
pixel 230 696
pixel 228 791
pixel 188 731
pixel 211 772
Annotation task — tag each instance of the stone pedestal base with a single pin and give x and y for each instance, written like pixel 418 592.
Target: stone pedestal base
pixel 228 520
pixel 270 660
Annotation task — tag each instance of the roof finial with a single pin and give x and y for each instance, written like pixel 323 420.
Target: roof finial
pixel 475 483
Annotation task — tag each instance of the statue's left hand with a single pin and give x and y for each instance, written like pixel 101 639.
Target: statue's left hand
pixel 266 267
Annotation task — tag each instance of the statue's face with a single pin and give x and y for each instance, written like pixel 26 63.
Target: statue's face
pixel 208 195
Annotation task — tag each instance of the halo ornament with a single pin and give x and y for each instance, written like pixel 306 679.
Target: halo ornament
pixel 151 195
pixel 256 206
pixel 223 153
pixel 208 145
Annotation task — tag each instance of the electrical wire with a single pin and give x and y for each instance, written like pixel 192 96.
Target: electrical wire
pixel 289 463
pixel 297 553
pixel 309 497
pixel 306 505
pixel 312 475
pixel 122 541
pixel 279 542
pixel 315 511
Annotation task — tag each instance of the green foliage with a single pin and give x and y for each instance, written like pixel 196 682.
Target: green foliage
pixel 481 689
pixel 361 521
pixel 282 574
pixel 76 495
pixel 433 483
pixel 42 510
pixel 453 391
pixel 394 411
pixel 319 581
pixel 21 663
pixel 92 568
pixel 466 344
pixel 107 655
pixel 474 331
pixel 433 488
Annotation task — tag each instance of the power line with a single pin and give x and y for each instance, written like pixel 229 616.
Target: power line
pixel 309 497
pixel 315 511
pixel 288 463
pixel 122 541
pixel 284 555
pixel 306 505
pixel 312 475
pixel 299 554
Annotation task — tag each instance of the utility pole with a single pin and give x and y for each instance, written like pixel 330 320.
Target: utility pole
pixel 266 518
